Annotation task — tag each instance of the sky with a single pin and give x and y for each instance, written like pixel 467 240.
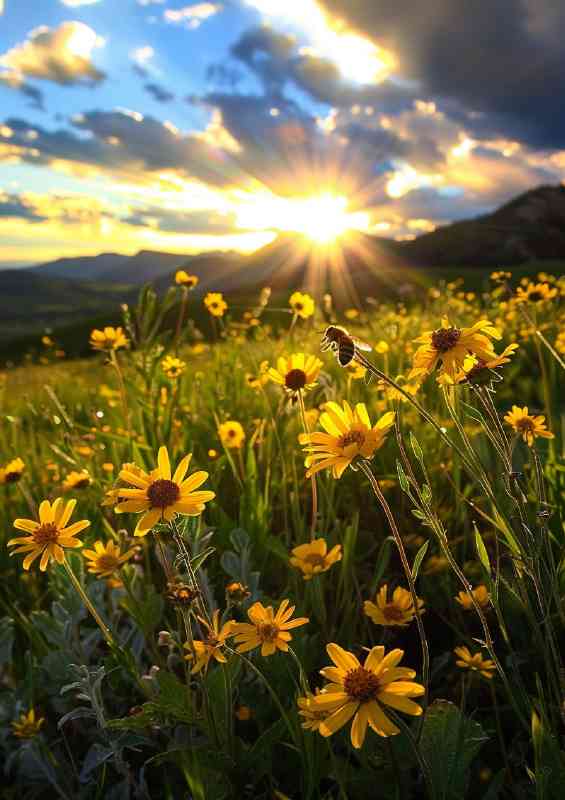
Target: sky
pixel 189 127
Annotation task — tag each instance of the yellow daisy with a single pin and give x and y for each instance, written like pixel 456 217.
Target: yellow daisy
pixel 361 692
pixel 202 652
pixel 27 726
pixel 535 293
pixel 173 367
pixel 215 303
pixel 77 480
pixel 48 537
pixel 478 372
pixel 159 495
pixel 529 427
pixel 108 339
pixel 480 594
pixel 313 557
pixel 399 610
pixel 106 558
pixel 447 347
pixel 231 434
pixel 267 630
pixel 182 278
pixel 474 663
pixel 302 305
pixel 349 434
pixel 312 717
pixel 12 471
pixel 296 373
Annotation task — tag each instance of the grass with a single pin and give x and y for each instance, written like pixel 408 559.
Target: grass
pixel 453 499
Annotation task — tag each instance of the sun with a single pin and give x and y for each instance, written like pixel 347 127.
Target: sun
pixel 322 218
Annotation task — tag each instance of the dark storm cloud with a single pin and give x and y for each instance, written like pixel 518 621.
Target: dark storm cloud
pixel 120 141
pixel 502 57
pixel 158 93
pixel 12 205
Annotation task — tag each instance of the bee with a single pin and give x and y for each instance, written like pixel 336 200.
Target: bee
pixel 342 343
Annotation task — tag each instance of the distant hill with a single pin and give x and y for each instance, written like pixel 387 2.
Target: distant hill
pixel 529 228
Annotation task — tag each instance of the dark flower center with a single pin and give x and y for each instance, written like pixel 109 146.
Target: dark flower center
pixel 361 684
pixel 295 379
pixel 107 562
pixel 394 613
pixel 445 339
pixel 268 632
pixel 163 493
pixel 82 483
pixel 298 306
pixel 12 477
pixel 535 297
pixel 46 534
pixel 315 559
pixel 353 437
pixel 524 424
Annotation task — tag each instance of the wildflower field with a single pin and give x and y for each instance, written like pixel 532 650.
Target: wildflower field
pixel 312 554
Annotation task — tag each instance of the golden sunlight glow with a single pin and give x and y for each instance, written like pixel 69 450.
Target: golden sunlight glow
pixel 322 218
pixel 83 40
pixel 406 178
pixel 356 57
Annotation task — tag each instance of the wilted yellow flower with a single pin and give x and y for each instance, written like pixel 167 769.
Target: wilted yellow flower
pixel 159 496
pixel 267 630
pixel 361 692
pixel 201 652
pixel 399 610
pixel 231 434
pixel 447 347
pixel 12 471
pixel 182 278
pixel 27 726
pixel 296 373
pixel 108 339
pixel 312 717
pixel 535 293
pixel 474 663
pixel 313 557
pixel 173 367
pixel 527 426
pixel 478 372
pixel 243 713
pixel 77 480
pixel 48 537
pixel 237 592
pixel 481 595
pixel 215 303
pixel 302 305
pixel 349 434
pixel 106 558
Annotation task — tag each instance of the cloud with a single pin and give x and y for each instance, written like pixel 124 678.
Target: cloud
pixel 142 57
pixel 158 93
pixel 61 55
pixel 205 221
pixel 13 205
pixel 64 209
pixel 79 3
pixel 504 58
pixel 12 80
pixel 193 16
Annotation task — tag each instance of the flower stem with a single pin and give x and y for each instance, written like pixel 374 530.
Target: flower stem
pixel 88 603
pixel 313 478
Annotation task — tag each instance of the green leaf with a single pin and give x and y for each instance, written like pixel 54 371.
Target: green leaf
pixel 6 639
pixel 419 558
pixel 549 759
pixel 449 743
pixel 198 560
pixel 482 551
pixel 417 450
pixel 404 485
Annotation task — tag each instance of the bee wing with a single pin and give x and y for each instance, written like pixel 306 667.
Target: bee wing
pixel 361 345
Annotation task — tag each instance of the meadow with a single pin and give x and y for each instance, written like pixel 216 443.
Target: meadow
pixel 353 589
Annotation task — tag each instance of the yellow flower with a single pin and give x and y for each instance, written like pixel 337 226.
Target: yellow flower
pixel 480 594
pixel 77 480
pixel 501 276
pixel 268 630
pixel 202 652
pixel 12 471
pixel 560 343
pixel 237 592
pixel 302 305
pixel 313 557
pixel 159 495
pixel 535 293
pixel 312 717
pixel 106 558
pixel 447 347
pixel 296 373
pixel 182 278
pixel 526 425
pixel 243 713
pixel 215 303
pixel 475 663
pixel 173 367
pixel 361 691
pixel 108 339
pixel 50 535
pixel 84 450
pixel 399 610
pixel 27 726
pixel 356 371
pixel 349 434
pixel 351 313
pixel 107 466
pixel 381 347
pixel 478 372
pixel 231 434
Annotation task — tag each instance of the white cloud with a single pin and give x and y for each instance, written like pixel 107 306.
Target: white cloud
pixel 193 16
pixel 61 55
pixel 78 3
